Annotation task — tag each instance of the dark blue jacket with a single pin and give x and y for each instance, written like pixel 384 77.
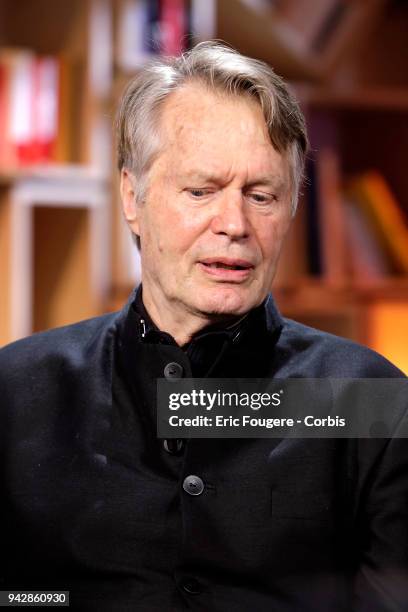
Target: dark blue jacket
pixel 93 502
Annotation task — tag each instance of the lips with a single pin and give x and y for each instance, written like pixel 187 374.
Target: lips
pixel 226 269
pixel 227 263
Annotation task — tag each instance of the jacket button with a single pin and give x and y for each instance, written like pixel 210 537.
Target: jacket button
pixel 173 371
pixel 191 585
pixel 193 485
pixel 174 447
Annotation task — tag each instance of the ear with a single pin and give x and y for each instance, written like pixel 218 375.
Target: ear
pixel 128 196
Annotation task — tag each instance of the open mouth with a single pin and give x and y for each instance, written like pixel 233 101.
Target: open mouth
pixel 226 269
pixel 219 264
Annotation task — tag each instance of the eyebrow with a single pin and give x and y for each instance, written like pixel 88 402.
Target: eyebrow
pixel 271 181
pixel 277 182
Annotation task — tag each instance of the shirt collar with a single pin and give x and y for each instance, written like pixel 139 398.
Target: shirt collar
pixel 259 330
pixel 264 319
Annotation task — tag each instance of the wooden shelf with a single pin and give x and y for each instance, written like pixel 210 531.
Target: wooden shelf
pixel 51 172
pixel 54 218
pixel 55 256
pixel 381 98
pixel 376 316
pixel 317 293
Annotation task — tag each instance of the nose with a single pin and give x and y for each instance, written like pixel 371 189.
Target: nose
pixel 230 217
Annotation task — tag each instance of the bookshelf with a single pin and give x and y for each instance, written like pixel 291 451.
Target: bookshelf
pixel 53 253
pixel 54 196
pixel 358 124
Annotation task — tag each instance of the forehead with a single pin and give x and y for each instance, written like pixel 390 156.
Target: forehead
pixel 225 129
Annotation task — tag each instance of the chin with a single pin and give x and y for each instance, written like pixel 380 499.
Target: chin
pixel 226 301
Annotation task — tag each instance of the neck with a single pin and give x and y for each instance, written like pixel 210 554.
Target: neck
pixel 181 324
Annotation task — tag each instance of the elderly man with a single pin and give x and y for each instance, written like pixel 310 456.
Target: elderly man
pixel 211 149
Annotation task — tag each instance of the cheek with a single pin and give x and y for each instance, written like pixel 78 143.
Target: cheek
pixel 271 237
pixel 185 229
pixel 154 227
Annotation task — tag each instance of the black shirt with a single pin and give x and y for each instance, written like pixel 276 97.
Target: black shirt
pixel 207 348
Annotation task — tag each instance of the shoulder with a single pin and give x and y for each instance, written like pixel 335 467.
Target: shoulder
pixel 71 344
pixel 320 354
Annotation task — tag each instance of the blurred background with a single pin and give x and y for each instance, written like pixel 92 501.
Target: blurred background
pixel 65 251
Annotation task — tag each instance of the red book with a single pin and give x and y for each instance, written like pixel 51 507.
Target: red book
pixel 21 106
pixel 173 26
pixel 45 109
pixel 13 108
pixel 3 113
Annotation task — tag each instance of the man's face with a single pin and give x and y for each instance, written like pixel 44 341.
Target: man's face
pixel 217 208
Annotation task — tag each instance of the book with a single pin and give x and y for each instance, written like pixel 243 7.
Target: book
pixel 384 214
pixel 367 262
pixel 151 27
pixel 202 19
pixel 326 178
pixel 331 217
pixel 173 26
pixel 3 111
pixel 70 102
pixel 21 111
pixel 132 34
pixel 313 222
pixel 28 108
pixel 17 107
pixel 153 36
pixel 45 130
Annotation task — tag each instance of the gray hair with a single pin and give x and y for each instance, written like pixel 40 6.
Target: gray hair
pixel 221 69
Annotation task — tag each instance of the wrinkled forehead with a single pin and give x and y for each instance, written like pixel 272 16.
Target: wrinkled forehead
pixel 194 110
pixel 197 124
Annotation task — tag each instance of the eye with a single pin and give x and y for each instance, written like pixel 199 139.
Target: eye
pixel 198 193
pixel 262 198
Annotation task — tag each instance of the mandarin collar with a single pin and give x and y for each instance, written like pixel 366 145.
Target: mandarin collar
pixel 264 320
